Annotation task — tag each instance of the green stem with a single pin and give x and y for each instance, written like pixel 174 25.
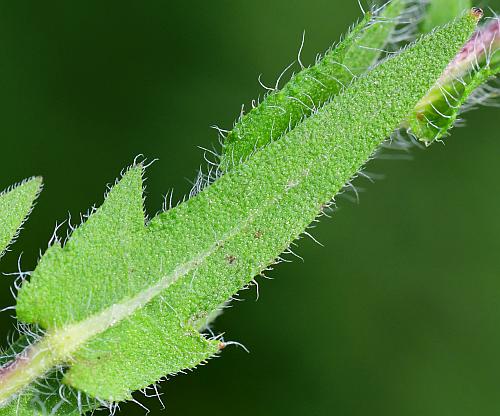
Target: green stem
pixel 34 362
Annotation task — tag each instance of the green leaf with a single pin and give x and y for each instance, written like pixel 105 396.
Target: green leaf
pixel 34 405
pixel 462 82
pixel 15 206
pixel 440 12
pixel 368 46
pixel 121 303
pixel 135 265
pixel 308 90
pixel 48 401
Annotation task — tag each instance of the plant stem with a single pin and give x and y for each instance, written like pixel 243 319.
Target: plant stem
pixel 32 363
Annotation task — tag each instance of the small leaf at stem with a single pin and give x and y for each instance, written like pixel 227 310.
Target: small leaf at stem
pixel 461 83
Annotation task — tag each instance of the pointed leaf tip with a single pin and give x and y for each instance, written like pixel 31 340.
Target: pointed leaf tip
pixel 15 205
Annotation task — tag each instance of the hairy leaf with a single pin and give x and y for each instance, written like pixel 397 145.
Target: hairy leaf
pixel 440 12
pixel 462 83
pixel 122 302
pixel 368 46
pixel 312 87
pixel 28 405
pixel 15 205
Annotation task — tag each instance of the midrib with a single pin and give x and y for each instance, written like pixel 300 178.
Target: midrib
pixel 58 345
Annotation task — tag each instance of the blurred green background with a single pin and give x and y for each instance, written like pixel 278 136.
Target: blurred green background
pixel 399 313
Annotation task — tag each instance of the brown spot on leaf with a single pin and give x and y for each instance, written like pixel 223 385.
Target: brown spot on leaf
pixel 477 12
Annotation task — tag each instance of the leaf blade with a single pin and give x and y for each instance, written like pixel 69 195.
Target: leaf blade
pixel 312 87
pixel 15 205
pixel 298 187
pixel 440 12
pixel 477 63
pixel 234 228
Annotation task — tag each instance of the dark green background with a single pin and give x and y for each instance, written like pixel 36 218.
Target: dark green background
pixel 399 313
